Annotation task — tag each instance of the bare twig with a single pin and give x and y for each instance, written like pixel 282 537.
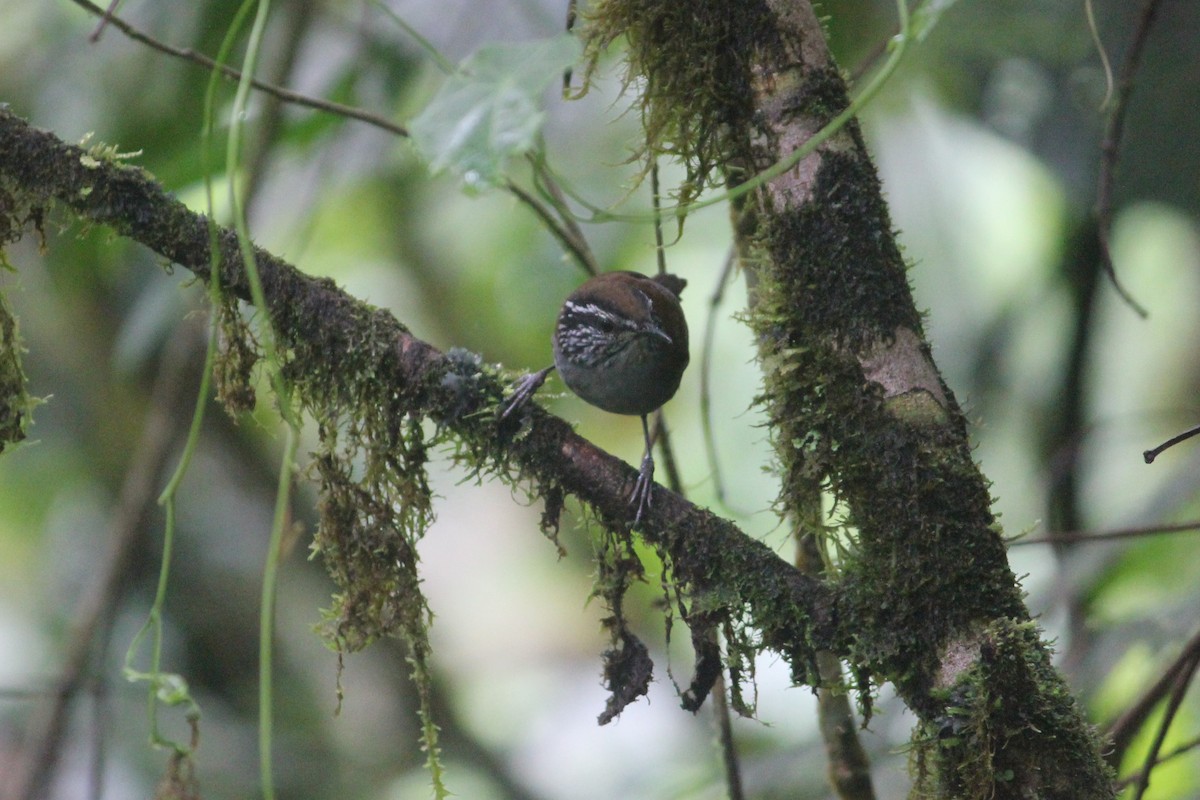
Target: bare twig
pixel 104 20
pixel 562 226
pixel 1154 452
pixel 1182 749
pixel 553 193
pixel 1074 537
pixel 1111 146
pixel 706 356
pixel 1126 726
pixel 1179 687
pixel 723 717
pixel 187 54
pixel 721 711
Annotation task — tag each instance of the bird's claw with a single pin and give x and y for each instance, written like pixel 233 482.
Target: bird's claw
pixel 526 388
pixel 643 489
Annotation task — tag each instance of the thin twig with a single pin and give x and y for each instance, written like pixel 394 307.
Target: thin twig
pixel 568 235
pixel 553 193
pixel 1182 749
pixel 1154 452
pixel 1126 726
pixel 722 715
pixel 656 199
pixel 104 20
pixel 229 72
pixel 706 356
pixel 1111 146
pixel 849 770
pixel 661 435
pixel 1074 537
pixel 1178 690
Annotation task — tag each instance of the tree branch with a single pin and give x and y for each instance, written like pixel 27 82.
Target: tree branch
pixel 1110 147
pixel 794 613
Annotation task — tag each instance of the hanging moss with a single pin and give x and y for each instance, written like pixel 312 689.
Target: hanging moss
pixel 690 62
pixel 16 404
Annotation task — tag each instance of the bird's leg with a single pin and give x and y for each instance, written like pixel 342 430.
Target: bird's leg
pixel 526 388
pixel 645 480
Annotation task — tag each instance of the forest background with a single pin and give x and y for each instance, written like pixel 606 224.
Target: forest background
pixel 988 142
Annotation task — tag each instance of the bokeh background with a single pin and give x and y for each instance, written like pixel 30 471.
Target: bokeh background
pixel 988 143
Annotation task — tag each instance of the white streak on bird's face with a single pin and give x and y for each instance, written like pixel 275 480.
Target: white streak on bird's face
pixel 591 334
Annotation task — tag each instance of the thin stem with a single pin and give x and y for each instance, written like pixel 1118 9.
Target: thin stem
pixel 1094 30
pixel 656 199
pixel 723 716
pixel 266 628
pixel 1073 537
pixel 1125 727
pixel 1182 681
pixel 440 60
pixel 562 226
pixel 1153 453
pixel 706 358
pixel 283 396
pixel 1111 146
pixel 187 54
pixel 104 20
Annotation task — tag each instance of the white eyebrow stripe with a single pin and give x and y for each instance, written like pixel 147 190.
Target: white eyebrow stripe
pixel 593 310
pixel 586 308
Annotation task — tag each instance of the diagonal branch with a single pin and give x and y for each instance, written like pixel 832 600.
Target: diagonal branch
pixel 1110 148
pixel 796 614
pixel 1122 730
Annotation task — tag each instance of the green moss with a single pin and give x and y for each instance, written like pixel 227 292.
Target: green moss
pixel 995 724
pixel 16 404
pixel 695 57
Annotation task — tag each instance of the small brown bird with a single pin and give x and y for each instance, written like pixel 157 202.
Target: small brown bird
pixel 621 344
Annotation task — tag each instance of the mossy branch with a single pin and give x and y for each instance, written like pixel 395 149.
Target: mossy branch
pixel 338 348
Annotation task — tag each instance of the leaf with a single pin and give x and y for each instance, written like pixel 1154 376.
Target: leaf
pixel 490 110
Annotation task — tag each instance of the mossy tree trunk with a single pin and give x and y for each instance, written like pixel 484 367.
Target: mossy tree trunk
pixel 856 405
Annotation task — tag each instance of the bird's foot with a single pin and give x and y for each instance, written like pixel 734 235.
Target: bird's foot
pixel 526 388
pixel 643 489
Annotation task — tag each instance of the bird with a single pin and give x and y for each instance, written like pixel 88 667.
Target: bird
pixel 620 344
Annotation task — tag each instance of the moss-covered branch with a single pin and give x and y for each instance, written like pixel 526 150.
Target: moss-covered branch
pixel 856 405
pixel 365 377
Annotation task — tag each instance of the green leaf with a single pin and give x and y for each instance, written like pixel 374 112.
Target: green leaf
pixel 490 110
